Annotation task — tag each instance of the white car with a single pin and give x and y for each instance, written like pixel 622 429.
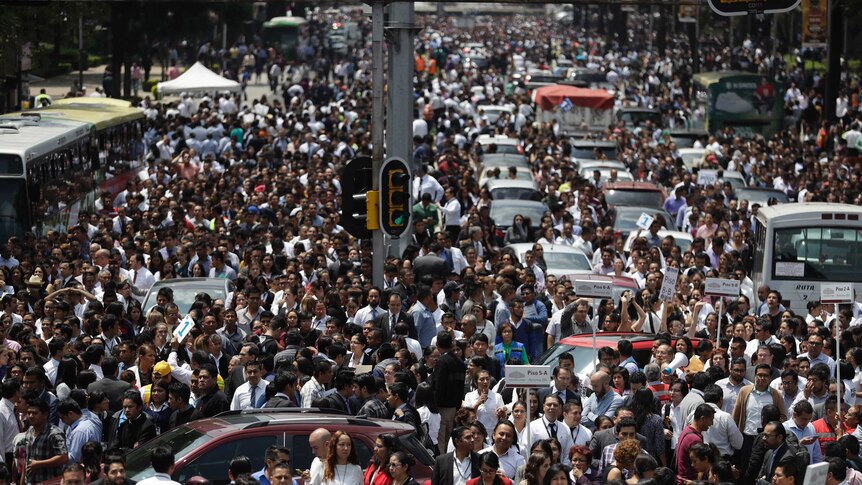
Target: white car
pixel 504 143
pixel 560 259
pixel 692 157
pixel 522 174
pixel 683 239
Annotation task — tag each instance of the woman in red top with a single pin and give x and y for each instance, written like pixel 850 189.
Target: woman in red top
pixel 377 472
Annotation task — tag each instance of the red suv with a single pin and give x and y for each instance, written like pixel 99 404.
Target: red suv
pixel 205 447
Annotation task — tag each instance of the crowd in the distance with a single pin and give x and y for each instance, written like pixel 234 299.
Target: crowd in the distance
pixel 250 191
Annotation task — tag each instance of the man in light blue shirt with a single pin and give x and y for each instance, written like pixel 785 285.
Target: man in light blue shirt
pixel 423 317
pixel 604 400
pixel 80 430
pixel 800 425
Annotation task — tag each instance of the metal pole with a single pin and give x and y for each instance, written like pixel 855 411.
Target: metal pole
pixel 80 51
pixel 720 314
pixel 529 416
pixel 833 70
pixel 378 248
pixel 400 102
pixel 224 36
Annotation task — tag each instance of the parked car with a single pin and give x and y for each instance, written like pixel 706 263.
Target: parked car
pixel 522 174
pixel 205 447
pixel 185 290
pixel 586 354
pixel 683 239
pixel 756 195
pixel 692 157
pixel 633 117
pixel 710 176
pixel 586 148
pixel 503 212
pixel 685 138
pixel 504 144
pixel 508 189
pixel 627 216
pixel 560 259
pixel 641 194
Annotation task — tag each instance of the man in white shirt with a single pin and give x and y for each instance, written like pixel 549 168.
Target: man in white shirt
pixel 11 394
pixel 581 435
pixel 549 426
pixel 724 433
pixel 55 348
pixel 504 436
pixel 251 394
pixel 372 310
pixel 319 443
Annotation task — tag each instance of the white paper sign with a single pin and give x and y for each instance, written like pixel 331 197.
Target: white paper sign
pixel 707 178
pixel 816 474
pixel 722 287
pixel 528 375
pixel 836 292
pixel 793 270
pixel 668 284
pixel 184 328
pixel 594 289
pixel 644 221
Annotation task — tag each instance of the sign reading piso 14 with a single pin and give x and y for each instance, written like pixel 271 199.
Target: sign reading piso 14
pixel 528 375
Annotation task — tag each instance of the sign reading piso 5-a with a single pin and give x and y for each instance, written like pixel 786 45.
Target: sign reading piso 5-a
pixel 528 375
pixel 594 289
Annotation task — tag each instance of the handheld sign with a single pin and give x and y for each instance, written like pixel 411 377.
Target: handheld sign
pixel 594 289
pixel 668 285
pixel 528 376
pixel 722 287
pixel 816 474
pixel 644 221
pixel 836 292
pixel 184 328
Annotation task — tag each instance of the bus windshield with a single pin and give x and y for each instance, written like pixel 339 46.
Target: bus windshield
pixel 818 254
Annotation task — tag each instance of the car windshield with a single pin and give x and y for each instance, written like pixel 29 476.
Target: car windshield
pixel 181 441
pixel 504 214
pixel 585 357
pixel 184 296
pixel 640 198
pixel 566 262
pixel 760 196
pixel 515 193
pixel 589 151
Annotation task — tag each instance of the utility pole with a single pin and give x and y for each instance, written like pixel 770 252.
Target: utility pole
pixel 399 113
pixel 833 54
pixel 377 118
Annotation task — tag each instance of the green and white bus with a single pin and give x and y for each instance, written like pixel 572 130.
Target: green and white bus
pixel 750 104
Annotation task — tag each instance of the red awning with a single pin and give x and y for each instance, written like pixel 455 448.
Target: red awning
pixel 549 97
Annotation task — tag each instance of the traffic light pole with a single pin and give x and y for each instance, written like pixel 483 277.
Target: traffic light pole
pixel 400 30
pixel 377 120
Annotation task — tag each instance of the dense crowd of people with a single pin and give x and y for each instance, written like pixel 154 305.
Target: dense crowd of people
pixel 249 190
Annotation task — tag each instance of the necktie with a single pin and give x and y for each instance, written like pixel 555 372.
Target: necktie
pixel 553 429
pixel 374 313
pixel 392 324
pixel 134 276
pixel 253 402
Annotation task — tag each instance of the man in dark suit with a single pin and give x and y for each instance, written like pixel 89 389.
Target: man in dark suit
pixel 468 461
pixel 395 315
pixel 775 438
pixel 340 399
pixel 431 263
pixel 562 379
pixel 399 393
pixel 212 400
pixel 110 385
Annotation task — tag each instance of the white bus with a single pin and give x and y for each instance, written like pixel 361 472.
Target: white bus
pixel 42 160
pixel 800 246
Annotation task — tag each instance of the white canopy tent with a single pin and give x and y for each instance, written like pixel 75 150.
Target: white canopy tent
pixel 198 79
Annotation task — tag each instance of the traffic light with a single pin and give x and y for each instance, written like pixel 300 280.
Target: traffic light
pixel 395 197
pixel 355 184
